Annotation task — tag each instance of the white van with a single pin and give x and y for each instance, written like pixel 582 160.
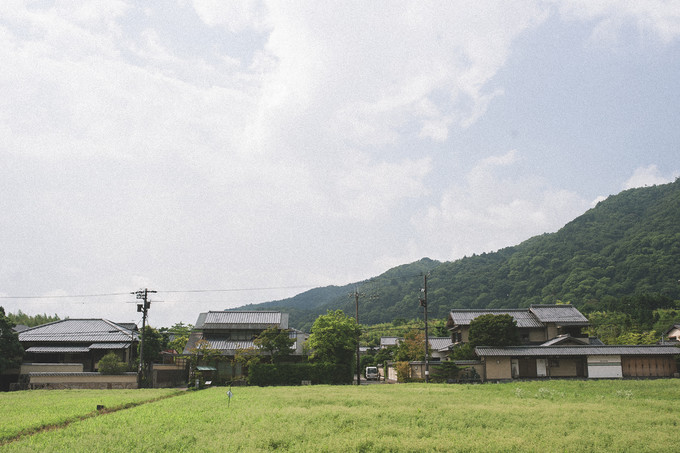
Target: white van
pixel 372 373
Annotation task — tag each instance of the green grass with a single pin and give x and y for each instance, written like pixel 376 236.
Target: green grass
pixel 30 410
pixel 529 416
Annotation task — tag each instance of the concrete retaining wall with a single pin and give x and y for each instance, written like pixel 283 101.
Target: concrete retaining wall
pixel 51 381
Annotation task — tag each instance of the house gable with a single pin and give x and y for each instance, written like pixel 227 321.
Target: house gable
pixel 537 324
pixel 230 331
pixel 77 341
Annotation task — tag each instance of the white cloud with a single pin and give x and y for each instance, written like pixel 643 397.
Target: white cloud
pixel 237 16
pixel 659 17
pixel 223 144
pixel 495 208
pixel 647 176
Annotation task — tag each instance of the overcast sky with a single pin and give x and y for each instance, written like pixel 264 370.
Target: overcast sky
pixel 236 146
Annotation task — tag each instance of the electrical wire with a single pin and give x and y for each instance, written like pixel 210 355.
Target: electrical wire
pixel 64 296
pixel 168 291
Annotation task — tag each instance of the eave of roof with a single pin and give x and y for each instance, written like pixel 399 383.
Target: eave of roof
pixel 585 350
pixel 57 349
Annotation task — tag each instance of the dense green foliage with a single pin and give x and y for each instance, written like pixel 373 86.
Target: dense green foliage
pixel 265 374
pixel 111 364
pixel 276 343
pixel 444 371
pixel 627 246
pixel 176 337
pixel 334 338
pixel 411 347
pixel 153 346
pixel 539 416
pixel 493 330
pixel 31 320
pixel 370 335
pixel 11 351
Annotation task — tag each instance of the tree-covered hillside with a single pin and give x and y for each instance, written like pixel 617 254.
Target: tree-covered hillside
pixel 629 244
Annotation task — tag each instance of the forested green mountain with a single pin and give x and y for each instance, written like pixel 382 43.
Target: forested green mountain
pixel 626 247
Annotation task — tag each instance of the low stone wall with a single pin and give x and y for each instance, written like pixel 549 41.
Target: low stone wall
pixel 54 381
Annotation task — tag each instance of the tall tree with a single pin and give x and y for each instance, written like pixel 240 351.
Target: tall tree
pixel 412 347
pixel 276 342
pixel 494 330
pixel 334 338
pixel 153 346
pixel 11 351
pixel 180 333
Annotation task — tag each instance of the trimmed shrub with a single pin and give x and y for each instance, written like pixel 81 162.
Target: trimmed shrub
pixel 444 372
pixel 266 374
pixel 110 364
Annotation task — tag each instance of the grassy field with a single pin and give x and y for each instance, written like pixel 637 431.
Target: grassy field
pixel 23 412
pixel 528 416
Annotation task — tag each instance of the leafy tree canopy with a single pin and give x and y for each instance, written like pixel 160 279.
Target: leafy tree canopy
pixel 11 351
pixel 412 347
pixel 494 330
pixel 276 342
pixel 31 320
pixel 179 333
pixel 153 345
pixel 334 338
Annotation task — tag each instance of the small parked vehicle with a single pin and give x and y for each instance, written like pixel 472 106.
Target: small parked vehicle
pixel 372 373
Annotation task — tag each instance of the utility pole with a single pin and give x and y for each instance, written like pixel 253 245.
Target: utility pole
pixel 423 303
pixel 356 302
pixel 142 294
pixel 356 295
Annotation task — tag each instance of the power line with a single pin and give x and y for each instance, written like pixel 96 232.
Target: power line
pixel 64 297
pixel 267 288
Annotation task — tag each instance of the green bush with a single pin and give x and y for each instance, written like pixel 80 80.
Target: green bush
pixel 444 371
pixel 111 364
pixel 266 374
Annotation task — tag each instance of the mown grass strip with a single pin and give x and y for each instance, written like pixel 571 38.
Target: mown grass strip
pixel 14 427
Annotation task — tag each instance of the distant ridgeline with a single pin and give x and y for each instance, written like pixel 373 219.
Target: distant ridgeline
pixel 624 254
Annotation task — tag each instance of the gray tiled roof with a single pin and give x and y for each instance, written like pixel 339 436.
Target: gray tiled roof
pixel 231 345
pixel 78 330
pixel 553 351
pixel 57 349
pixel 439 343
pixel 109 345
pixel 242 319
pixel 559 314
pixel 522 316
